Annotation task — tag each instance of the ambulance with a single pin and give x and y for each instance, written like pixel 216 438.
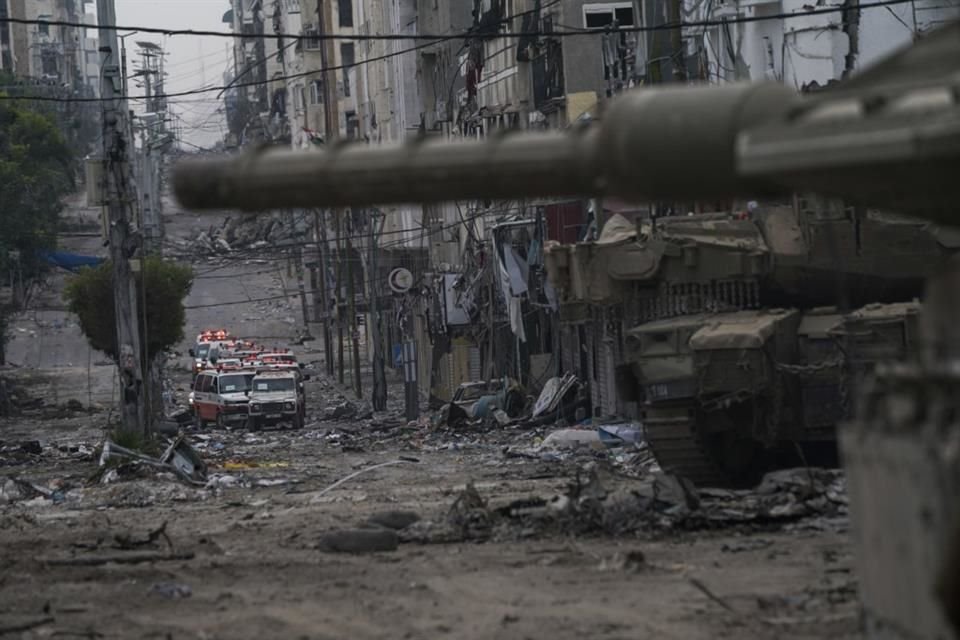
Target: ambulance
pixel 221 396
pixel 206 341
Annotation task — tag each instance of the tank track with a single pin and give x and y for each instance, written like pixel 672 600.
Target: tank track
pixel 679 449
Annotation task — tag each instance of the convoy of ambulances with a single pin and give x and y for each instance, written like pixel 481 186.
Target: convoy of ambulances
pixel 238 382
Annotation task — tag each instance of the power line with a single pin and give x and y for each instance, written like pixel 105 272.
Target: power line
pixel 238 85
pixel 272 36
pixel 472 32
pixel 435 39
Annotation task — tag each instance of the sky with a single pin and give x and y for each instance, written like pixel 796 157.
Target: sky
pixel 192 62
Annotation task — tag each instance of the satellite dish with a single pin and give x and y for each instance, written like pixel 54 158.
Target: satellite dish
pixel 400 280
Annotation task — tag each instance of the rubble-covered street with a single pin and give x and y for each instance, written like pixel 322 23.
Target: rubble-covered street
pixel 367 526
pixel 567 547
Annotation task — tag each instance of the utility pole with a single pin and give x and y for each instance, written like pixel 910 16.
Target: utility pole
pixel 331 131
pixel 298 259
pixel 122 244
pixel 676 41
pixel 352 310
pixel 379 395
pixel 322 308
pixel 338 295
pixel 492 277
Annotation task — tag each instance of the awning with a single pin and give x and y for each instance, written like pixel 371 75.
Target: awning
pixel 70 261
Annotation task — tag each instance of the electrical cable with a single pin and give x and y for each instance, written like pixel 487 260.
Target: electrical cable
pixel 469 32
pixel 271 36
pixel 435 39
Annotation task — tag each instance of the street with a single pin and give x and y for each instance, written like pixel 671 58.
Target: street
pixel 134 552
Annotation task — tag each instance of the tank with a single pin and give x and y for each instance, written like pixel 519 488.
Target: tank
pixel 748 334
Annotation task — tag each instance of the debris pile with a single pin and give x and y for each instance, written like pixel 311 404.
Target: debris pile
pixel 240 232
pixel 595 502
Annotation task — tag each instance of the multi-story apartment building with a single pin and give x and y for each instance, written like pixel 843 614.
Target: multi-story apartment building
pixel 48 54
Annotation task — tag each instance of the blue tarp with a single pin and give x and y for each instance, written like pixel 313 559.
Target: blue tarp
pixel 70 261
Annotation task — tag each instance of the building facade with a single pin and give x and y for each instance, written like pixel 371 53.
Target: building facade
pixel 477 302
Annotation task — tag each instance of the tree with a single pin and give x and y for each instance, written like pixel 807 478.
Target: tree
pixel 36 172
pixel 90 296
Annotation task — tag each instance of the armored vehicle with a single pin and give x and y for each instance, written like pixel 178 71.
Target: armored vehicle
pixel 750 331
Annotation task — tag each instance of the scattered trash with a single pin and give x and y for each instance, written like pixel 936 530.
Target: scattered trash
pixel 240 465
pixel 572 439
pixel 179 458
pixel 345 409
pixel 185 461
pixel 614 435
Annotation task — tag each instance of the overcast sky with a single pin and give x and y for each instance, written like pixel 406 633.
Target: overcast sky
pixel 192 62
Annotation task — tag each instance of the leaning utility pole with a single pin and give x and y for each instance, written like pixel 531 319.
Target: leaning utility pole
pixel 116 177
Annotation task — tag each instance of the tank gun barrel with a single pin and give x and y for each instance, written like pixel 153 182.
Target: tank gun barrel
pixel 890 138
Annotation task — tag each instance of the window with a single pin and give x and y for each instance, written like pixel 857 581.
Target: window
pixel 601 15
pixel 44 29
pixel 49 60
pixel 316 92
pixel 353 125
pixel 207 384
pixel 346 12
pixel 297 98
pixel 312 42
pixel 347 59
pixel 198 383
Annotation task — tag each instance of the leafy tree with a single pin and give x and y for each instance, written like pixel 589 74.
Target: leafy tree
pixel 90 296
pixel 36 172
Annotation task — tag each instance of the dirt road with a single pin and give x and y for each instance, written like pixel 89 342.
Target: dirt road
pixel 543 554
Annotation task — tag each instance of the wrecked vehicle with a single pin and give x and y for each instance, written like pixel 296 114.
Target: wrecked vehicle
pixel 479 400
pixel 276 397
pixel 743 340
